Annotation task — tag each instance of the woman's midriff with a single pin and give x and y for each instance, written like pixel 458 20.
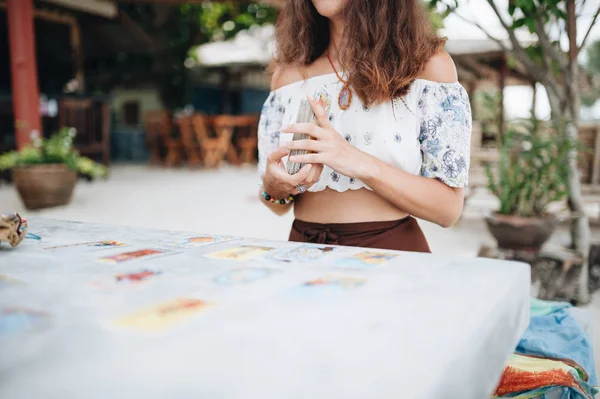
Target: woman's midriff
pixel 352 206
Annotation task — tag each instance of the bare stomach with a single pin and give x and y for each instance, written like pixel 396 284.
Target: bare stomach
pixel 352 206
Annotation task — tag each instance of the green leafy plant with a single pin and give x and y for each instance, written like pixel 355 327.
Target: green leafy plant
pixel 173 31
pixel 487 103
pixel 57 148
pixel 532 171
pixel 551 61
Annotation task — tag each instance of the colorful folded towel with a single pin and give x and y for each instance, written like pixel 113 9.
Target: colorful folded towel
pixel 528 376
pixel 540 307
pixel 13 228
pixel 555 352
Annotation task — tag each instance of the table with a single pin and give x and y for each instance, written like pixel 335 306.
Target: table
pixel 210 140
pixel 293 321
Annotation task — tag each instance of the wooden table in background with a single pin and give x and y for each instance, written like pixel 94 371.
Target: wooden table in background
pixel 210 140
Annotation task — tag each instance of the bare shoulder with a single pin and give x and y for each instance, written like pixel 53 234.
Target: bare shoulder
pixel 440 68
pixel 283 76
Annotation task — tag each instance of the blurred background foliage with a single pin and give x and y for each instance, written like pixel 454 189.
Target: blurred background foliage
pixel 174 30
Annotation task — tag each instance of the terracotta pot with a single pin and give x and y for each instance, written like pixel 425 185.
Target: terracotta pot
pixel 515 232
pixel 44 186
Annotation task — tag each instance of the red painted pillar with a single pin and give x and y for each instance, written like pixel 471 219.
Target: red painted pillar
pixel 25 90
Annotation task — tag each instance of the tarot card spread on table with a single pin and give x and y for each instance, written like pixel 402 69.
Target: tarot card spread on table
pixel 366 259
pixel 305 253
pixel 200 241
pixel 6 281
pixel 162 316
pixel 328 285
pixel 18 319
pixel 242 253
pixel 86 246
pixel 243 275
pixel 134 255
pixel 126 279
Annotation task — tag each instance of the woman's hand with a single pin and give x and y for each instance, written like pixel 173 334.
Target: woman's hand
pixel 329 148
pixel 313 175
pixel 279 184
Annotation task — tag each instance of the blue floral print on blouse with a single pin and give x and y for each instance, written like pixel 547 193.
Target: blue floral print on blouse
pixel 427 132
pixel 445 133
pixel 271 118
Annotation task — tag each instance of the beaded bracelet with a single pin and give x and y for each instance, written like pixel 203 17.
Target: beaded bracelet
pixel 286 201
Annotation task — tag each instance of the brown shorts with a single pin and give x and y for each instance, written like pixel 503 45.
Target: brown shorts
pixel 402 235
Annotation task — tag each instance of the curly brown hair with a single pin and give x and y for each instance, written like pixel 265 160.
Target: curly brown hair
pixel 385 46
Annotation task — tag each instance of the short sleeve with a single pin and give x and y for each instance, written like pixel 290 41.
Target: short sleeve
pixel 269 125
pixel 445 132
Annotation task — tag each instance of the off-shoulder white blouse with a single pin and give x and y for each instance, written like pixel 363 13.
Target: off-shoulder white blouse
pixel 427 132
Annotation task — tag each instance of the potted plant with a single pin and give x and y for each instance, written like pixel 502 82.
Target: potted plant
pixel 45 172
pixel 531 174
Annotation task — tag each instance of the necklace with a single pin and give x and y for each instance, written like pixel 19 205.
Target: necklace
pixel 345 96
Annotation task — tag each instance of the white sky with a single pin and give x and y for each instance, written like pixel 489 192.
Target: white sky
pixel 517 99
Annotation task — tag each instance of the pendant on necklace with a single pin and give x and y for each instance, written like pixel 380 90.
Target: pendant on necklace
pixel 345 97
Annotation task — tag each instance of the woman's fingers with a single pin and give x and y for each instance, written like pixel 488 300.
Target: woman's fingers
pixel 308 174
pixel 309 145
pixel 278 153
pixel 308 128
pixel 320 113
pixel 313 176
pixel 308 158
pixel 287 182
pixel 302 175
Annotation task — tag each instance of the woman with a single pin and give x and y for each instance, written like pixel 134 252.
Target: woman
pixel 395 143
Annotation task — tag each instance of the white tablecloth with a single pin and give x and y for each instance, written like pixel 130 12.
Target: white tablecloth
pixel 416 326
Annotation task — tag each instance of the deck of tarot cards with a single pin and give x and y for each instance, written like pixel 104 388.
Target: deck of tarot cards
pixel 307 115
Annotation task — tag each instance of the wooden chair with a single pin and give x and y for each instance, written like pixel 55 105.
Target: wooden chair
pixel 247 139
pixel 153 121
pixel 213 144
pixel 190 143
pixel 225 126
pixel 159 128
pixel 242 133
pixel 91 119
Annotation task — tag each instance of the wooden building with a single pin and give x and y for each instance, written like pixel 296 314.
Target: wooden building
pixel 47 43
